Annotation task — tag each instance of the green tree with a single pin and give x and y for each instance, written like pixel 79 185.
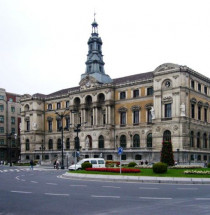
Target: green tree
pixel 167 155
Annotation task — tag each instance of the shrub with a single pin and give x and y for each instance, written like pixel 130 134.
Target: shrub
pixel 132 164
pixel 160 167
pixel 167 153
pixel 86 165
pixel 208 165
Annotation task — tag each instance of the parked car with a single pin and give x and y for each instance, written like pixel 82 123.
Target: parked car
pixel 96 163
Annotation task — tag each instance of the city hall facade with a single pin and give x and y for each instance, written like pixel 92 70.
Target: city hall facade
pixel 137 112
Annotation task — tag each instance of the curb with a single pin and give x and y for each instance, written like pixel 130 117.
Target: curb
pixel 140 179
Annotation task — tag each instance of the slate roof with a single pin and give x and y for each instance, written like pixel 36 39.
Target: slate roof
pixel 131 78
pixel 116 81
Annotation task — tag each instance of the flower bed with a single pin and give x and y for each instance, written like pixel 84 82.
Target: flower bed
pixel 186 167
pixel 116 170
pixel 197 172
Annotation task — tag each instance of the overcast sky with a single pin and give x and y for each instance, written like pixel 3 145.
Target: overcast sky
pixel 43 44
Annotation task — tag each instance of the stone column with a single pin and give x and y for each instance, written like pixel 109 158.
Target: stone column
pixel 93 115
pixel 109 115
pixel 96 116
pixel 106 115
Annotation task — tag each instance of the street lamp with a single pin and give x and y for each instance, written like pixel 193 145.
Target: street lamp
pixel 61 116
pixel 42 148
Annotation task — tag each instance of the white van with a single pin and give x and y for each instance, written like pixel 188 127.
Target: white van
pixel 96 163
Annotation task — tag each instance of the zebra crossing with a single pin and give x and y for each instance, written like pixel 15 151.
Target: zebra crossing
pixel 13 170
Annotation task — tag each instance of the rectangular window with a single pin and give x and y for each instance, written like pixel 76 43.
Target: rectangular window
pixel 1 141
pixel 199 113
pixel 150 91
pixel 135 93
pixel 1 108
pixel 1 129
pixel 13 130
pixel 199 87
pixel 67 123
pixel 136 117
pixel 123 118
pixel 27 125
pixel 192 84
pixel 12 109
pixel 49 125
pixel 122 95
pixel 58 105
pixel 167 110
pixel 149 116
pixel 49 106
pixel 67 104
pixel 193 111
pixel 58 125
pixel 13 120
pixel 205 90
pixel 205 114
pixel 1 97
pixel 1 119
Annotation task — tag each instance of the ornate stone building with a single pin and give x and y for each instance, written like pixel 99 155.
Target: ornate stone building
pixel 9 126
pixel 136 112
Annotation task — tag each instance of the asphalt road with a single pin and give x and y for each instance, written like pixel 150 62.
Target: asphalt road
pixel 41 192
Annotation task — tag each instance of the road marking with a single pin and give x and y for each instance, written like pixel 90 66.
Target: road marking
pixel 11 170
pixel 111 187
pixel 155 198
pixel 187 188
pixel 14 191
pixel 78 185
pixel 5 170
pixel 17 177
pixel 23 180
pixel 35 182
pixel 56 194
pixel 148 188
pixel 202 199
pixel 116 197
pixel 52 183
pixel 1 171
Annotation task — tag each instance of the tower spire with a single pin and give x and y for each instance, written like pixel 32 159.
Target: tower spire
pixel 95 63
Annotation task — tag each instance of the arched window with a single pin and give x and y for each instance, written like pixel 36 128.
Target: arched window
pixel 27 145
pixel 198 140
pixel 204 141
pixel 191 139
pixel 149 140
pixel 123 141
pixel 136 140
pixel 67 143
pixel 59 144
pixel 50 144
pixel 167 136
pixel 101 142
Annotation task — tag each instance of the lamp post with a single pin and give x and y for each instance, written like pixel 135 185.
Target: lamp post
pixel 61 116
pixel 42 148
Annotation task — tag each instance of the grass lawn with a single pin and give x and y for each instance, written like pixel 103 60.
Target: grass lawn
pixel 149 172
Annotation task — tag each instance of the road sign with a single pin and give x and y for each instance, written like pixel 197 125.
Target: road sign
pixel 120 150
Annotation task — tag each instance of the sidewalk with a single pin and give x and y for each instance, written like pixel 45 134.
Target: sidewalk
pixel 141 179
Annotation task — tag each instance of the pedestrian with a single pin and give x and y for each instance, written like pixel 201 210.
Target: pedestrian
pixel 31 165
pixel 205 164
pixel 54 164
pixel 57 164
